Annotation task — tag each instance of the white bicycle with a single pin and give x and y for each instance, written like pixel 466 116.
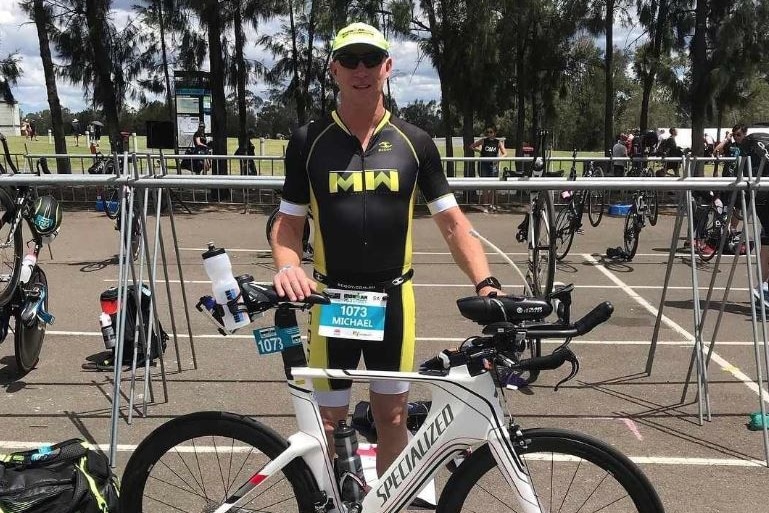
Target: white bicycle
pixel 220 462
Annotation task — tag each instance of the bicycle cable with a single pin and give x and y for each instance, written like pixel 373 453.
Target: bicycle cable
pixel 487 242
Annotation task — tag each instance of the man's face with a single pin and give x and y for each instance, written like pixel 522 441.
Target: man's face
pixel 738 135
pixel 361 71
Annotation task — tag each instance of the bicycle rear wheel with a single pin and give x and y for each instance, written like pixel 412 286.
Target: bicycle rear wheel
pixel 564 232
pixel 708 233
pixel 652 206
pixel 194 462
pixel 306 243
pixel 111 199
pixel 542 247
pixel 569 472
pixel 11 247
pixel 28 336
pixel 595 201
pixel 631 232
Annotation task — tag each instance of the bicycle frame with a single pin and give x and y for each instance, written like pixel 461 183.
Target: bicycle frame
pixel 466 411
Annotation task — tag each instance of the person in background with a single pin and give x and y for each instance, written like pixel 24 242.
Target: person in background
pixel 489 146
pixel 76 131
pixel 362 168
pixel 619 150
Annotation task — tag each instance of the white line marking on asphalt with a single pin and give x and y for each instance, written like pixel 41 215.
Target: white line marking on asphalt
pixel 725 365
pixel 644 460
pixel 467 286
pixel 681 343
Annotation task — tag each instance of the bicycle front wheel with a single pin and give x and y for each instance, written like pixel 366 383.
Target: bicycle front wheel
pixel 111 201
pixel 569 472
pixel 652 206
pixel 595 201
pixel 542 246
pixel 28 336
pixel 11 247
pixel 195 462
pixel 631 233
pixel 564 232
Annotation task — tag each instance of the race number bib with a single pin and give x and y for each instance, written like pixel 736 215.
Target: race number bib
pixel 274 339
pixel 353 314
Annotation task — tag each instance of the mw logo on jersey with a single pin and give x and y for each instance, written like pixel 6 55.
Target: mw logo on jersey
pixel 376 180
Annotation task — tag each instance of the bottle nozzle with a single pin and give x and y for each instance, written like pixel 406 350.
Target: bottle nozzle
pixel 211 245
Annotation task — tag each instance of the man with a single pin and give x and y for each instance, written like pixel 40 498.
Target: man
pixel 360 168
pixel 619 150
pixel 669 148
pixel 489 146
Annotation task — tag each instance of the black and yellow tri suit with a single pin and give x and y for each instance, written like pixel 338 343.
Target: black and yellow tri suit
pixel 362 203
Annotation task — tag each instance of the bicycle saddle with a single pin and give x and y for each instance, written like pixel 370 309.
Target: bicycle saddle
pixel 489 309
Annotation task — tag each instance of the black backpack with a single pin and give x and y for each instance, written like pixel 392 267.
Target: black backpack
pixel 67 477
pixel 756 146
pixel 159 340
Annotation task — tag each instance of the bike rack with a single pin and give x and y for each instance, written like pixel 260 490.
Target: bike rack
pixel 750 234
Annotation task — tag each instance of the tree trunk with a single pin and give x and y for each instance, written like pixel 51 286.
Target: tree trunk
pixel 104 90
pixel 467 137
pixel 164 59
pixel 608 117
pixel 218 99
pixel 240 66
pixel 301 109
pixel 699 89
pixel 448 123
pixel 57 122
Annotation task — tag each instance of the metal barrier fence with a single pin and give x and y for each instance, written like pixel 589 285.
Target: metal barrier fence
pixel 139 185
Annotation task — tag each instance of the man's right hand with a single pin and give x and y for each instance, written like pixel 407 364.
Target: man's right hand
pixel 292 282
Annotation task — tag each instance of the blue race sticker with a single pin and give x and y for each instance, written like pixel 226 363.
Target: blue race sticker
pixel 274 340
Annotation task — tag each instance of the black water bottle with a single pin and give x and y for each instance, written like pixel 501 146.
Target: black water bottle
pixel 349 470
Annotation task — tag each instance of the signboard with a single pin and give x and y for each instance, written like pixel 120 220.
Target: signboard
pixel 192 96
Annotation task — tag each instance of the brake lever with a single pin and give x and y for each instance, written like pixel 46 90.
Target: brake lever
pixel 572 359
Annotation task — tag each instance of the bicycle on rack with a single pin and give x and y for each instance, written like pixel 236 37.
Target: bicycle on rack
pixel 218 461
pixel 538 224
pixel 24 291
pixel 569 219
pixel 109 200
pixel 712 223
pixel 635 220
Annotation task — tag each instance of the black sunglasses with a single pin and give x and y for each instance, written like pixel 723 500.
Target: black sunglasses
pixel 351 60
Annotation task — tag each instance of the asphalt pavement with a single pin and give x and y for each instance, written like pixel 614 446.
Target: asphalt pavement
pixel 713 467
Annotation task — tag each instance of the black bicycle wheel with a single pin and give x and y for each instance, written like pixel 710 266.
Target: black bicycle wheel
pixel 631 232
pixel 652 207
pixel 542 248
pixel 194 462
pixel 111 199
pixel 708 234
pixel 595 201
pixel 569 472
pixel 306 243
pixel 564 231
pixel 28 336
pixel 11 247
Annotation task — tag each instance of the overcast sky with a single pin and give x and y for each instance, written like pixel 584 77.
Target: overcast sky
pixel 413 79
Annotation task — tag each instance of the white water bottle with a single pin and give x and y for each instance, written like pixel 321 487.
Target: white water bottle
pixel 27 265
pixel 224 286
pixel 107 331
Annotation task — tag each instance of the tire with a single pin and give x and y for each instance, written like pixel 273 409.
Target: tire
pixel 708 234
pixel 306 243
pixel 225 451
pixel 569 471
pixel 28 337
pixel 11 248
pixel 564 232
pixel 111 199
pixel 652 207
pixel 631 232
pixel 595 201
pixel 542 249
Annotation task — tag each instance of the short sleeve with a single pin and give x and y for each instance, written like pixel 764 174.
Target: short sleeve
pixel 296 188
pixel 431 179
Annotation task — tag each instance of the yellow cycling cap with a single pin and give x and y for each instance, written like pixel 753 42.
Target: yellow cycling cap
pixel 359 34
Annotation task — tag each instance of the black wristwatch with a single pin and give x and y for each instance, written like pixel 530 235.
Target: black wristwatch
pixel 491 281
